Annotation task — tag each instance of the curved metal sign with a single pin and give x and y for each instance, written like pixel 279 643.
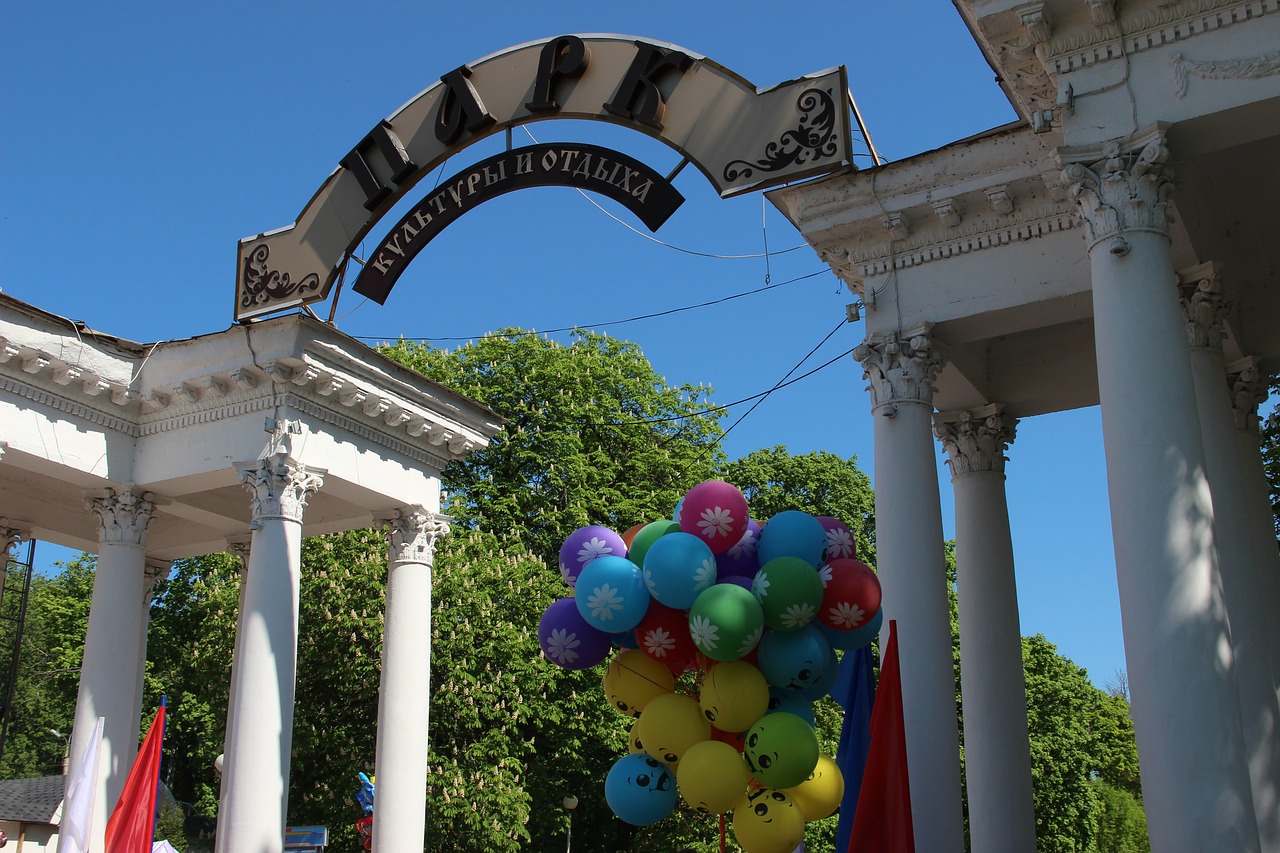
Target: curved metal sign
pixel 740 137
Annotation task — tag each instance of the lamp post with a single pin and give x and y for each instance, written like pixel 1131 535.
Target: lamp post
pixel 570 803
pixel 66 748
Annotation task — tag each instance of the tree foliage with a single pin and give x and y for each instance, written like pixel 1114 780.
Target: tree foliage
pixel 1271 453
pixel 594 434
pixel 1122 825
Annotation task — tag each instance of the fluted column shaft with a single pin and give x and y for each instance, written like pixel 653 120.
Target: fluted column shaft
pixel 400 796
pixel 1205 308
pixel 997 750
pixel 901 368
pixel 255 770
pixel 1177 639
pixel 113 646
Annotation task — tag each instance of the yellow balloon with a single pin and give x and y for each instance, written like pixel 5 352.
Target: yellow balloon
pixel 819 795
pixel 632 679
pixel 768 821
pixel 633 738
pixel 712 777
pixel 669 725
pixel 734 696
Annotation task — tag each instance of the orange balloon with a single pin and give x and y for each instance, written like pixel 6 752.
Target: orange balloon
pixel 631 534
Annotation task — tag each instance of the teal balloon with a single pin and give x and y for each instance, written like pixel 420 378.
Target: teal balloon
pixel 640 789
pixel 847 641
pixel 781 750
pixel 726 622
pixel 794 660
pixel 647 535
pixel 793 533
pixel 611 594
pixel 792 702
pixel 826 681
pixel 677 567
pixel 790 593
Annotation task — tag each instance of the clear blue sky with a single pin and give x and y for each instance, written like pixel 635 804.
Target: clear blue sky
pixel 142 140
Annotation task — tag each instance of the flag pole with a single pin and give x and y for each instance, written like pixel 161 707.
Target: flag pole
pixel 164 729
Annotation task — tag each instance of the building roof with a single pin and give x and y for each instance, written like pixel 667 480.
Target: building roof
pixel 31 800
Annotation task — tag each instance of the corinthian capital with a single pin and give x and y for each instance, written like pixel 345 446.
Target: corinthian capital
pixel 10 537
pixel 900 366
pixel 975 439
pixel 1249 389
pixel 1204 305
pixel 1125 191
pixel 123 517
pixel 280 486
pixel 412 533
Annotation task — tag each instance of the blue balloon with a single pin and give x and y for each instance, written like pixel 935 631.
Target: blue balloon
pixel 792 702
pixel 796 659
pixel 640 789
pixel 611 594
pixel 677 567
pixel 793 533
pixel 847 641
pixel 826 681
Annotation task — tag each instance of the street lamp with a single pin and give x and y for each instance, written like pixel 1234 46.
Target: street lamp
pixel 570 803
pixel 66 748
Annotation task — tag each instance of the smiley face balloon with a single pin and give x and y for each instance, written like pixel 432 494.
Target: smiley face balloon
pixel 669 725
pixel 632 679
pixel 640 790
pixel 781 750
pixel 819 795
pixel 768 821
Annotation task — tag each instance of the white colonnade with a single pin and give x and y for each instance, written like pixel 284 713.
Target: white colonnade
pixel 996 746
pixel 901 369
pixel 1177 634
pixel 400 796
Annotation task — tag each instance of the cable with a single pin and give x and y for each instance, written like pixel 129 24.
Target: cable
pixel 656 314
pixel 650 237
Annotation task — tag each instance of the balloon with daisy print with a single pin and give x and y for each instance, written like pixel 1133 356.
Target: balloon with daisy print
pixel 840 544
pixel 677 567
pixel 741 559
pixel 611 594
pixel 566 638
pixel 586 544
pixel 716 512
pixel 850 596
pixel 726 622
pixel 790 593
pixel 663 634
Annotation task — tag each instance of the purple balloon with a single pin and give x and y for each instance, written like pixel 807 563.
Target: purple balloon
pixel 840 544
pixel 741 559
pixel 586 544
pixel 568 640
pixel 741 580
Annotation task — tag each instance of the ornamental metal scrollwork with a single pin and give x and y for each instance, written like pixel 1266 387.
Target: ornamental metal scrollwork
pixel 812 138
pixel 263 284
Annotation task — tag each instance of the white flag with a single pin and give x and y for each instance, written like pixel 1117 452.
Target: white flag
pixel 77 805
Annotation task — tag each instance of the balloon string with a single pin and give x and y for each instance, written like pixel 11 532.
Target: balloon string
pixel 721 833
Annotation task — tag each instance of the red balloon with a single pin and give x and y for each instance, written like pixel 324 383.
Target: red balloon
pixel 663 634
pixel 737 740
pixel 851 595
pixel 631 533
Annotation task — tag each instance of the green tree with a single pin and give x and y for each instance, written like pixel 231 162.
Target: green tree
pixel 594 435
pixel 1061 706
pixel 1122 825
pixel 49 677
pixel 821 483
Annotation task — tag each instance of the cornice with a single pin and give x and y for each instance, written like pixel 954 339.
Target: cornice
pixel 1149 28
pixel 307 380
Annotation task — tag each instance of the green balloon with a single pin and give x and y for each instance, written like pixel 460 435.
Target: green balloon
pixel 781 750
pixel 647 535
pixel 790 592
pixel 725 621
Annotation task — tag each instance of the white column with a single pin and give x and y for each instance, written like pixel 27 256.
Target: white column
pixel 1177 639
pixel 1249 389
pixel 997 749
pixel 1205 308
pixel 112 645
pixel 255 769
pixel 400 796
pixel 901 368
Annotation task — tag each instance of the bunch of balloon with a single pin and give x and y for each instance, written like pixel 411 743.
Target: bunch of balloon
pixel 720 631
pixel 364 797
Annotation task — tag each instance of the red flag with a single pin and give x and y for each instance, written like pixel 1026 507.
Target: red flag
pixel 883 819
pixel 133 822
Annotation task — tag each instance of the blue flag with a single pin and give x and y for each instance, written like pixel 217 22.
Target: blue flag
pixel 855 690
